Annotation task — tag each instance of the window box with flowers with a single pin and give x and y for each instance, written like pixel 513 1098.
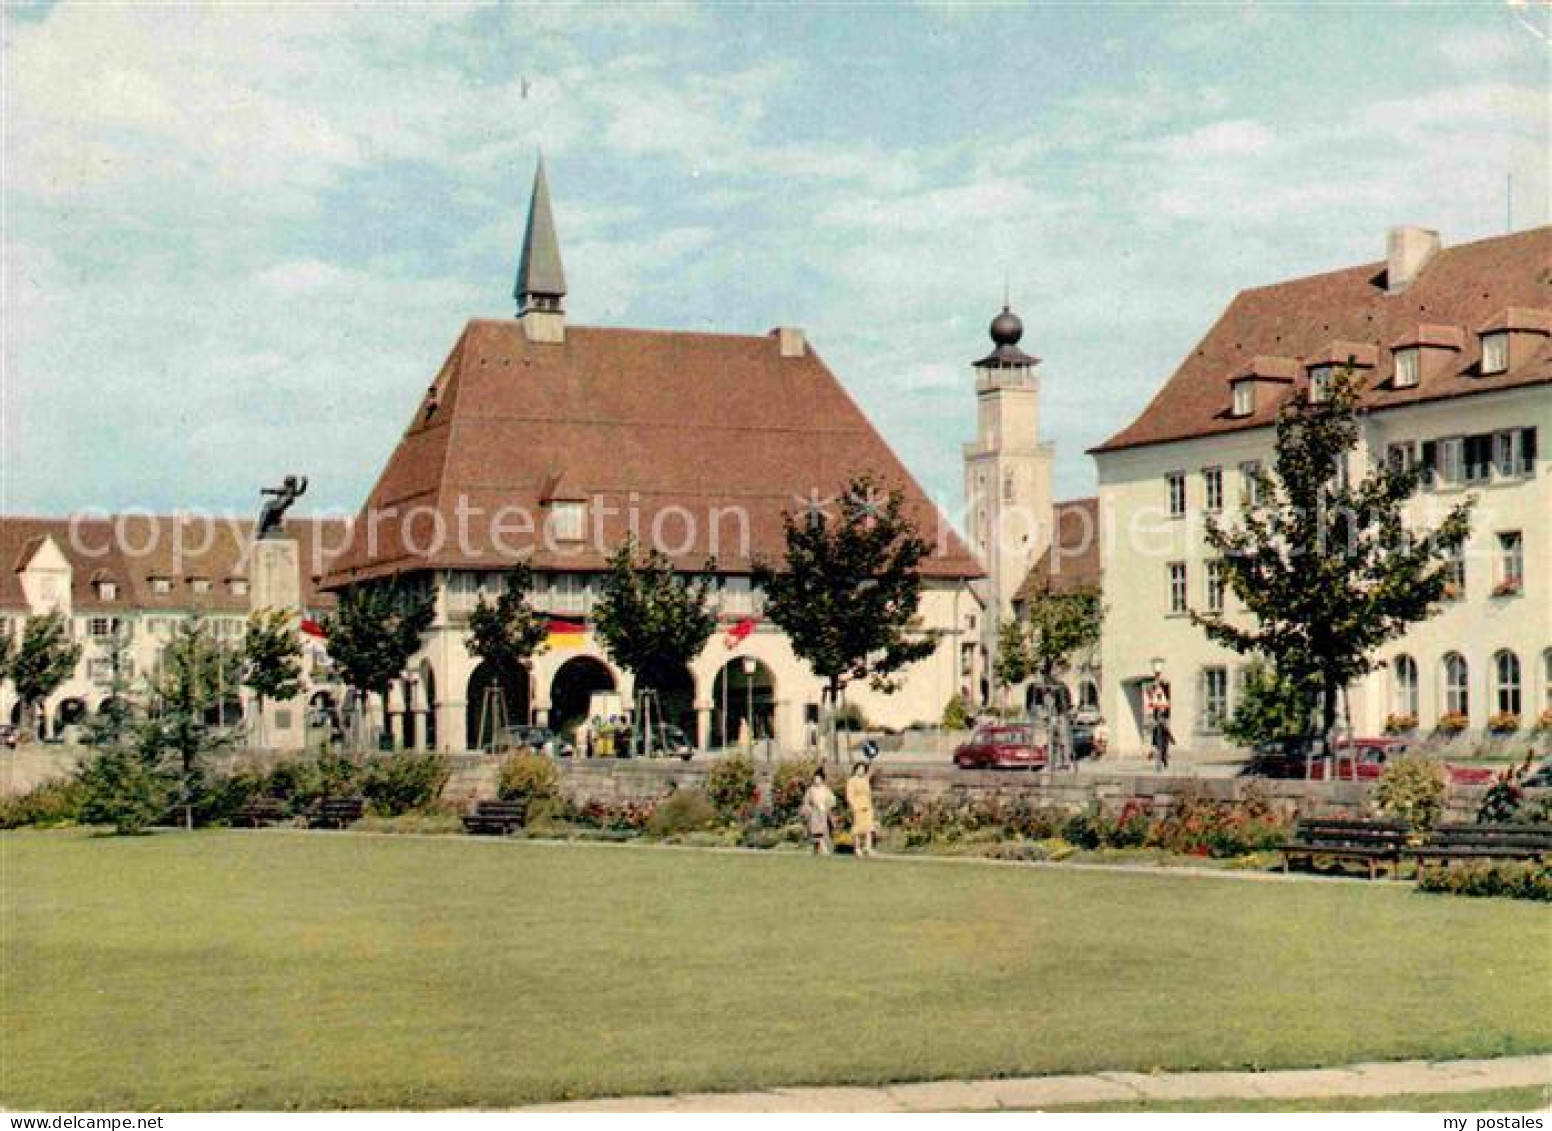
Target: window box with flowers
pixel 1453 722
pixel 1510 587
pixel 1504 722
pixel 1544 723
pixel 1400 724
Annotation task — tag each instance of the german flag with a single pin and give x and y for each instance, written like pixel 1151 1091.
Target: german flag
pixel 566 633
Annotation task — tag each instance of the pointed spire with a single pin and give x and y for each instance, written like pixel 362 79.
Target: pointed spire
pixel 541 281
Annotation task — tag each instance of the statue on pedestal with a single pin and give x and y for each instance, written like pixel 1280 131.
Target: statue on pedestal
pixel 272 515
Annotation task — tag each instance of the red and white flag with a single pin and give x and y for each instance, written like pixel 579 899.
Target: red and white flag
pixel 738 633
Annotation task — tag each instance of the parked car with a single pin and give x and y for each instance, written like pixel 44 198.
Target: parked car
pixel 1357 759
pixel 541 739
pixel 1001 746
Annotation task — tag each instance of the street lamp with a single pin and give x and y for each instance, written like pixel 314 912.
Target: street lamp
pixel 749 669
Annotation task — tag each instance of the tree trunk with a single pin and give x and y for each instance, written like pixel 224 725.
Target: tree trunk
pixel 835 733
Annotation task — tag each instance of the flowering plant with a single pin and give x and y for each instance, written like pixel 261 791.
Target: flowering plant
pixel 1509 587
pixel 1504 722
pixel 1452 722
pixel 1400 723
pixel 1545 721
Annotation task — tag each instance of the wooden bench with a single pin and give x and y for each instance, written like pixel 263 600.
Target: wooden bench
pixel 1484 842
pixel 336 812
pixel 256 814
pixel 1373 842
pixel 498 818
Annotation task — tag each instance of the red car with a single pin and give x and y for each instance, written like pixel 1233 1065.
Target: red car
pixel 1001 746
pixel 1361 759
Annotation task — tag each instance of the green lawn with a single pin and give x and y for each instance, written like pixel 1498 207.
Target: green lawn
pixel 218 970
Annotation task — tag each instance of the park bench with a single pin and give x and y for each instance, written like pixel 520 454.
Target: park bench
pixel 336 812
pixel 1373 842
pixel 256 814
pixel 1484 842
pixel 498 818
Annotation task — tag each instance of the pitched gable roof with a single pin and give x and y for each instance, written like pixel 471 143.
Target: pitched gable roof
pixel 1468 286
pixel 1072 561
pixel 668 432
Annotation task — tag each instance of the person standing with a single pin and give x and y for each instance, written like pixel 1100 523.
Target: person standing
pixel 818 806
pixel 1162 738
pixel 859 798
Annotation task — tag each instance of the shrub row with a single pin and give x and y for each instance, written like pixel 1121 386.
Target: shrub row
pixel 1514 879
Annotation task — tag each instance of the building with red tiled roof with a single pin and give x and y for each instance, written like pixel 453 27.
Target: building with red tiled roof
pixel 140 575
pixel 1452 348
pixel 555 443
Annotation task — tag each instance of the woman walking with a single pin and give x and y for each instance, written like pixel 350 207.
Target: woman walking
pixel 818 804
pixel 859 797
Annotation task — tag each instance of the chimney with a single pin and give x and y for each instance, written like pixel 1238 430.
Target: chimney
pixel 1407 252
pixel 793 342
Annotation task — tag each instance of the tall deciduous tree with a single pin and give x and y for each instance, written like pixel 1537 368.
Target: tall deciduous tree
pixel 848 591
pixel 507 634
pixel 652 621
pixel 1327 568
pixel 271 658
pixel 45 659
pixel 374 631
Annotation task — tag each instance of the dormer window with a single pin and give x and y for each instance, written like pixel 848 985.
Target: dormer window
pixel 107 591
pixel 1495 352
pixel 239 586
pixel 1320 383
pixel 1244 398
pixel 1408 368
pixel 199 585
pixel 161 585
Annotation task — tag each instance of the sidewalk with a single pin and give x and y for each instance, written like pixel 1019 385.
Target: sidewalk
pixel 1388 1078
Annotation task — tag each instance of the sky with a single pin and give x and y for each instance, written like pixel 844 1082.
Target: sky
pixel 240 240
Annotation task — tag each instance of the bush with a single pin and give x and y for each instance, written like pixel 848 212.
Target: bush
pixel 955 715
pixel 222 799
pixel 528 777
pixel 1510 879
pixel 732 788
pixel 127 788
pixel 685 811
pixel 1412 789
pixel 55 802
pixel 616 816
pixel 788 785
pixel 404 782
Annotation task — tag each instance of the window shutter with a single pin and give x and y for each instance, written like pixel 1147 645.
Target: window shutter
pixel 1527 450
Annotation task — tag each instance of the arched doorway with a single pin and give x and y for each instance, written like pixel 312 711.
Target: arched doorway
pixel 491 703
pixel 70 712
pixel 573 687
pixel 745 689
pixel 676 700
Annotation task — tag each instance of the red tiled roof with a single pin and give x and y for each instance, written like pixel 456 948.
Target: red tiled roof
pixel 1072 562
pixel 129 550
pixel 1469 286
pixel 662 423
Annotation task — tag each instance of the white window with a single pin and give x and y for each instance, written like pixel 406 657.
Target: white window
pixel 1404 690
pixel 1408 368
pixel 1401 456
pixel 1212 487
pixel 1215 587
pixel 100 627
pixel 1244 398
pixel 1511 561
pixel 1215 699
pixel 1250 475
pixel 1495 352
pixel 1457 685
pixel 1455 575
pixel 199 585
pixel 1452 460
pixel 161 585
pixel 1320 383
pixel 99 670
pixel 107 591
pixel 239 586
pixel 1176 482
pixel 1506 683
pixel 566 522
pixel 1177 587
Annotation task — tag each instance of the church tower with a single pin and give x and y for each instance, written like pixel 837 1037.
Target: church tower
pixel 540 289
pixel 1007 472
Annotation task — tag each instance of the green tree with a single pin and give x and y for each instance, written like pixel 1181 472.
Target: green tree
pixel 508 634
pixel 1271 708
pixel 128 785
pixel 849 589
pixel 374 631
pixel 651 621
pixel 45 658
pixel 1052 627
pixel 271 658
pixel 1326 568
pixel 114 717
pixel 191 678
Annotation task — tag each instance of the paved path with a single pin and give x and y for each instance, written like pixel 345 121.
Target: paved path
pixel 1029 1093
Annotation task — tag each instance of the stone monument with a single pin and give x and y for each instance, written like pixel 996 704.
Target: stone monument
pixel 275 582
